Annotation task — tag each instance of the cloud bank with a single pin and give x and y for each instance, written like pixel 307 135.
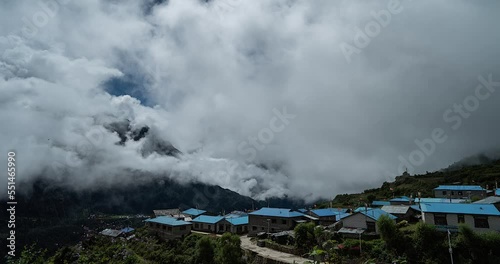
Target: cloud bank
pixel 215 80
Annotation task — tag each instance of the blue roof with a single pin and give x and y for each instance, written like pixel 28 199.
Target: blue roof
pixel 302 210
pixel 497 192
pixel 439 200
pixel 127 229
pixel 460 188
pixel 207 219
pixel 359 209
pixel 277 212
pixel 401 199
pixel 342 215
pixel 328 211
pixel 165 220
pixel 415 207
pixel 381 203
pixel 460 208
pixel 194 211
pixel 376 213
pixel 243 220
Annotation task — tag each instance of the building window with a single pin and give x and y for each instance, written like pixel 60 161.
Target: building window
pixel 273 221
pixel 157 225
pixel 460 219
pixel 254 228
pixel 196 225
pixel 460 193
pixel 164 227
pixel 370 226
pixel 440 219
pixel 169 228
pixel 209 227
pixel 262 228
pixel 444 192
pixel 183 227
pixel 283 222
pixel 452 193
pixel 481 222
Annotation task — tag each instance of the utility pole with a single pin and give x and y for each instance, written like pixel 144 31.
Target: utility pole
pixel 449 244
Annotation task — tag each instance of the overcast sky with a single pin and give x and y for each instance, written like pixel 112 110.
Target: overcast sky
pixel 305 98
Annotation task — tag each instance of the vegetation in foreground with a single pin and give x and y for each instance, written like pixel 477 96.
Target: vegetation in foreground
pixel 144 248
pixel 399 243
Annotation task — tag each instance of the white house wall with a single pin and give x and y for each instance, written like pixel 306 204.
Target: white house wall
pixel 452 220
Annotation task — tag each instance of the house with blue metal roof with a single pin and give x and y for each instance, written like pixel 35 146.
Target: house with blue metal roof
pixel 273 220
pixel 365 220
pixel 380 203
pixel 401 200
pixel 232 223
pixel 362 208
pixel 238 221
pixel 328 216
pixel 440 200
pixel 193 212
pixel 127 229
pixel 235 225
pixel 459 191
pixel 168 227
pixel 207 223
pixel 447 216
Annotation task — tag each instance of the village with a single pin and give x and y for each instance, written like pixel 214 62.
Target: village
pixel 452 205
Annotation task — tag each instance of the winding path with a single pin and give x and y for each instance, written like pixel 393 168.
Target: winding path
pixel 269 253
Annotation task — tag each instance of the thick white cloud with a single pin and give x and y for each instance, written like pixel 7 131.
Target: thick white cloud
pixel 215 73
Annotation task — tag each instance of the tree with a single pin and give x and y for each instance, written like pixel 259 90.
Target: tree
pixel 392 236
pixel 371 198
pixel 479 247
pixel 320 235
pixel 304 236
pixel 229 250
pixel 387 228
pixel 429 242
pixel 204 251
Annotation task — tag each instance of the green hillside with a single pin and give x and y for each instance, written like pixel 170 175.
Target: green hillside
pixel 485 175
